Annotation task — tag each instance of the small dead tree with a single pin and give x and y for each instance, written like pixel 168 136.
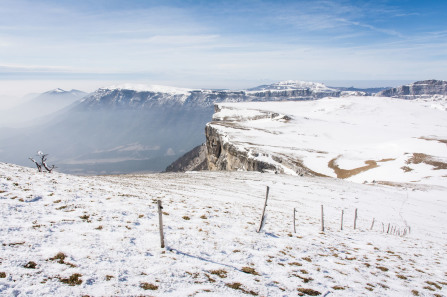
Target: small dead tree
pixel 43 162
pixel 39 167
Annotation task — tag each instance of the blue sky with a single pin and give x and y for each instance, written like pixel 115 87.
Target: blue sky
pixel 218 44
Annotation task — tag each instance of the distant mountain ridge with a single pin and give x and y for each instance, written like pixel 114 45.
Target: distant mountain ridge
pixel 40 106
pixel 417 89
pixel 145 97
pixel 134 128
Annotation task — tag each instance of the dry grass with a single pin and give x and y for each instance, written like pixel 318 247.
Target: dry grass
pixel 346 173
pixel 148 286
pixel 238 286
pixel 307 291
pixel 384 269
pixel 60 258
pixel 73 280
pixel 434 285
pixel 2 275
pixel 406 169
pixel 434 139
pixel 419 158
pixel 338 288
pixel 249 270
pixel 221 273
pixel 308 259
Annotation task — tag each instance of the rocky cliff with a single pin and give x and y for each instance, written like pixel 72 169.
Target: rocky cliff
pixel 149 97
pixel 419 89
pixel 225 154
pixel 194 160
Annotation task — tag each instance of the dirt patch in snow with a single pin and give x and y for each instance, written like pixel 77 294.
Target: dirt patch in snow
pixel 419 158
pixel 346 173
pixel 434 139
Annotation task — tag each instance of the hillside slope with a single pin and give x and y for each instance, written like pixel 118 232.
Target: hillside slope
pixel 67 235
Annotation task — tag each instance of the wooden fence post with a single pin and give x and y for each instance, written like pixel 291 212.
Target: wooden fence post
pixel 294 224
pixel 263 212
pixel 322 218
pixel 160 220
pixel 341 224
pixel 388 231
pixel 372 224
pixel 355 219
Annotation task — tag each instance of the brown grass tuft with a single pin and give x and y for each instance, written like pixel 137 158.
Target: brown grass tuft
pixel 249 270
pixel 148 286
pixel 308 291
pixel 427 159
pixel 238 286
pixel 221 273
pixel 73 280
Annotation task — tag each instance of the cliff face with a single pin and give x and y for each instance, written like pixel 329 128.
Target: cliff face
pixel 417 90
pixel 194 160
pixel 225 154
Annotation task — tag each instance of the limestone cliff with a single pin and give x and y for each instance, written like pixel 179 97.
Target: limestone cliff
pixel 225 154
pixel 416 90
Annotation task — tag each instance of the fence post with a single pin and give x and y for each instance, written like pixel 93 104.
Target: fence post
pixel 160 220
pixel 263 212
pixel 322 218
pixel 355 219
pixel 341 224
pixel 294 224
pixel 372 224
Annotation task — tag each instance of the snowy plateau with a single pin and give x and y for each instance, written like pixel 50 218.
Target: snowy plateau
pixel 362 139
pixel 66 235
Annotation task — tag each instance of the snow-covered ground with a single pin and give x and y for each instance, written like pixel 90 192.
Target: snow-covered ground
pixel 64 235
pixel 357 138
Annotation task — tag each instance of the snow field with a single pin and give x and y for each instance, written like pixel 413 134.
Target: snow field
pixel 106 227
pixel 348 131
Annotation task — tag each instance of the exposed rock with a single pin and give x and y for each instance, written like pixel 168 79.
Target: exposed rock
pixel 225 155
pixel 139 97
pixel 419 89
pixel 194 160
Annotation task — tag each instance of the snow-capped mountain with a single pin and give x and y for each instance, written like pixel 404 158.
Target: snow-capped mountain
pixel 72 93
pixel 142 96
pixel 129 128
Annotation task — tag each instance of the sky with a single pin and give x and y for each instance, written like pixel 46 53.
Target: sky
pixel 86 44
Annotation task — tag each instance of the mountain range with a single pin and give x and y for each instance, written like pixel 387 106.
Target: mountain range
pixel 134 128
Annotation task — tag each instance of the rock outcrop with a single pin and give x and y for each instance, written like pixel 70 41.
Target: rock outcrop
pixel 225 154
pixel 194 160
pixel 419 89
